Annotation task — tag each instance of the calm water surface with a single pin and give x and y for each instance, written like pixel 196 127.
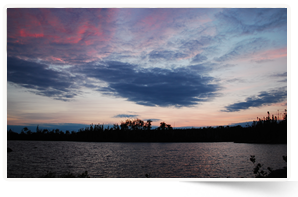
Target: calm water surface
pixel 134 160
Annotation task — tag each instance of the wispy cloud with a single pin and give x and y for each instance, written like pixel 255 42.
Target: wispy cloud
pixel 199 58
pixel 282 77
pixel 166 55
pixel 249 21
pixel 125 116
pixel 269 55
pixel 244 49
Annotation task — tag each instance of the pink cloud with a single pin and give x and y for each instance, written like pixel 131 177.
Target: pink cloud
pixel 23 33
pixel 271 54
pixel 74 33
pixel 56 59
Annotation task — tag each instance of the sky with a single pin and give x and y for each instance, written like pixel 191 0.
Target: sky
pixel 184 66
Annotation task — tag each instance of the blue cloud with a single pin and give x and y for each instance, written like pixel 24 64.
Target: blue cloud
pixel 263 98
pixel 153 87
pixel 153 119
pixel 280 75
pixel 125 116
pixel 199 58
pixel 40 79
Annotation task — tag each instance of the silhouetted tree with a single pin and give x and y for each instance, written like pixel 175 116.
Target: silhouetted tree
pixel 38 130
pixel 169 127
pixel 124 126
pixel 116 126
pixel 147 125
pixel 134 124
pixel 45 131
pixel 162 126
pixel 285 115
pixel 138 124
pixel 266 130
pixel 25 129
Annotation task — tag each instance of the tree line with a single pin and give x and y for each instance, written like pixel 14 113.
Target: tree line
pixel 263 130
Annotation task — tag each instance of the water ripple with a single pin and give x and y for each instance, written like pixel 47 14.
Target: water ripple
pixel 133 160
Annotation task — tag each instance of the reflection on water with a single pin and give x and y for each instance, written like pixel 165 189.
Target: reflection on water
pixel 133 160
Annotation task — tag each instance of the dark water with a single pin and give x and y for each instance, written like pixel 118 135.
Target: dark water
pixel 133 160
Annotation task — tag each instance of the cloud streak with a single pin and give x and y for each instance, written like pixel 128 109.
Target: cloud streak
pixel 244 49
pixel 263 98
pixel 125 116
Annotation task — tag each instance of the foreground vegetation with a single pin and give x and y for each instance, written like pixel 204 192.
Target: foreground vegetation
pixel 264 130
pixel 260 172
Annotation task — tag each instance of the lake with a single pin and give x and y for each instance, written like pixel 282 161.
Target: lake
pixel 135 160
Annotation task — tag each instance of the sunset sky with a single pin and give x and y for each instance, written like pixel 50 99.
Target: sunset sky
pixel 187 67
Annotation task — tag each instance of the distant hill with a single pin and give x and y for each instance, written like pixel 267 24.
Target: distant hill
pixel 62 127
pixel 243 124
